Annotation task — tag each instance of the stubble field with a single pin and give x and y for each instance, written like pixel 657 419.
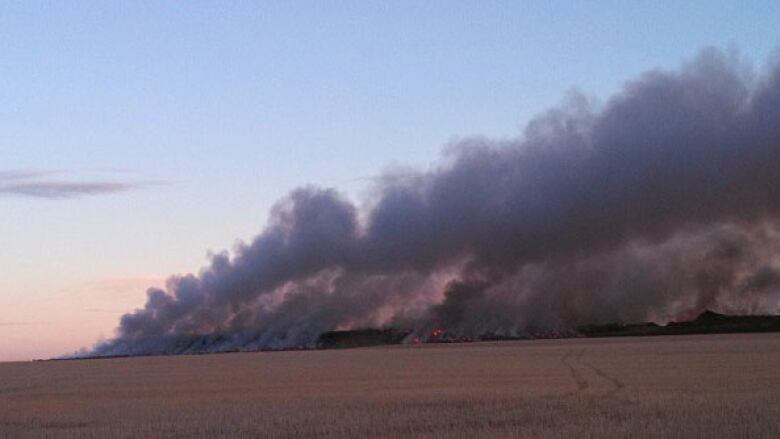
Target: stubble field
pixel 677 387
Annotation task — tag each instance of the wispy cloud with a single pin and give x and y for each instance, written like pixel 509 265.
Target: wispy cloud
pixel 23 174
pixel 64 189
pixel 40 183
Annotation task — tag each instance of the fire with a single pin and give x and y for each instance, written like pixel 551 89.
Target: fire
pixel 440 335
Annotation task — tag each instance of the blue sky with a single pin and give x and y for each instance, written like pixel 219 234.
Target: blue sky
pixel 205 113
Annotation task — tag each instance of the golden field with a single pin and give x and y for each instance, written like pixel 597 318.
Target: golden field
pixel 677 387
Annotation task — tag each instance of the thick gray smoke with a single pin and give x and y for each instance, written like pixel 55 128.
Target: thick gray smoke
pixel 660 203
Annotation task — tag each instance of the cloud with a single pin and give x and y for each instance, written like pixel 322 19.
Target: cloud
pixel 38 183
pixel 23 174
pixel 63 189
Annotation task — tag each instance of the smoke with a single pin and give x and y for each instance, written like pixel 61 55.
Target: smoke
pixel 659 203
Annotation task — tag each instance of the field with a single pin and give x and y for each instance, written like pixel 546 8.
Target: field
pixel 678 387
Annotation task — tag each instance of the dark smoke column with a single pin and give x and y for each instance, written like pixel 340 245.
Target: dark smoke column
pixel 659 203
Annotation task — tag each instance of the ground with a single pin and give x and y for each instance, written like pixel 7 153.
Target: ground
pixel 677 387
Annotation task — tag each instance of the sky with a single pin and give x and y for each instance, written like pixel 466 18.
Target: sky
pixel 137 137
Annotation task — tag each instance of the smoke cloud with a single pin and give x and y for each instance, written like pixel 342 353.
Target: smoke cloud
pixel 657 204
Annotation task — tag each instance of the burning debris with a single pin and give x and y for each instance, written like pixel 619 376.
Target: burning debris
pixel 660 203
pixel 708 322
pixel 439 335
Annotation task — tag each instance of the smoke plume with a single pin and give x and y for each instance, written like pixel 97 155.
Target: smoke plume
pixel 659 203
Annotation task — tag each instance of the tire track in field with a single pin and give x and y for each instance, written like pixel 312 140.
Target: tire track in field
pixel 617 385
pixel 576 375
pixel 576 366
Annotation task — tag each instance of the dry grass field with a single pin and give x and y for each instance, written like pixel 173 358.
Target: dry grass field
pixel 677 387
